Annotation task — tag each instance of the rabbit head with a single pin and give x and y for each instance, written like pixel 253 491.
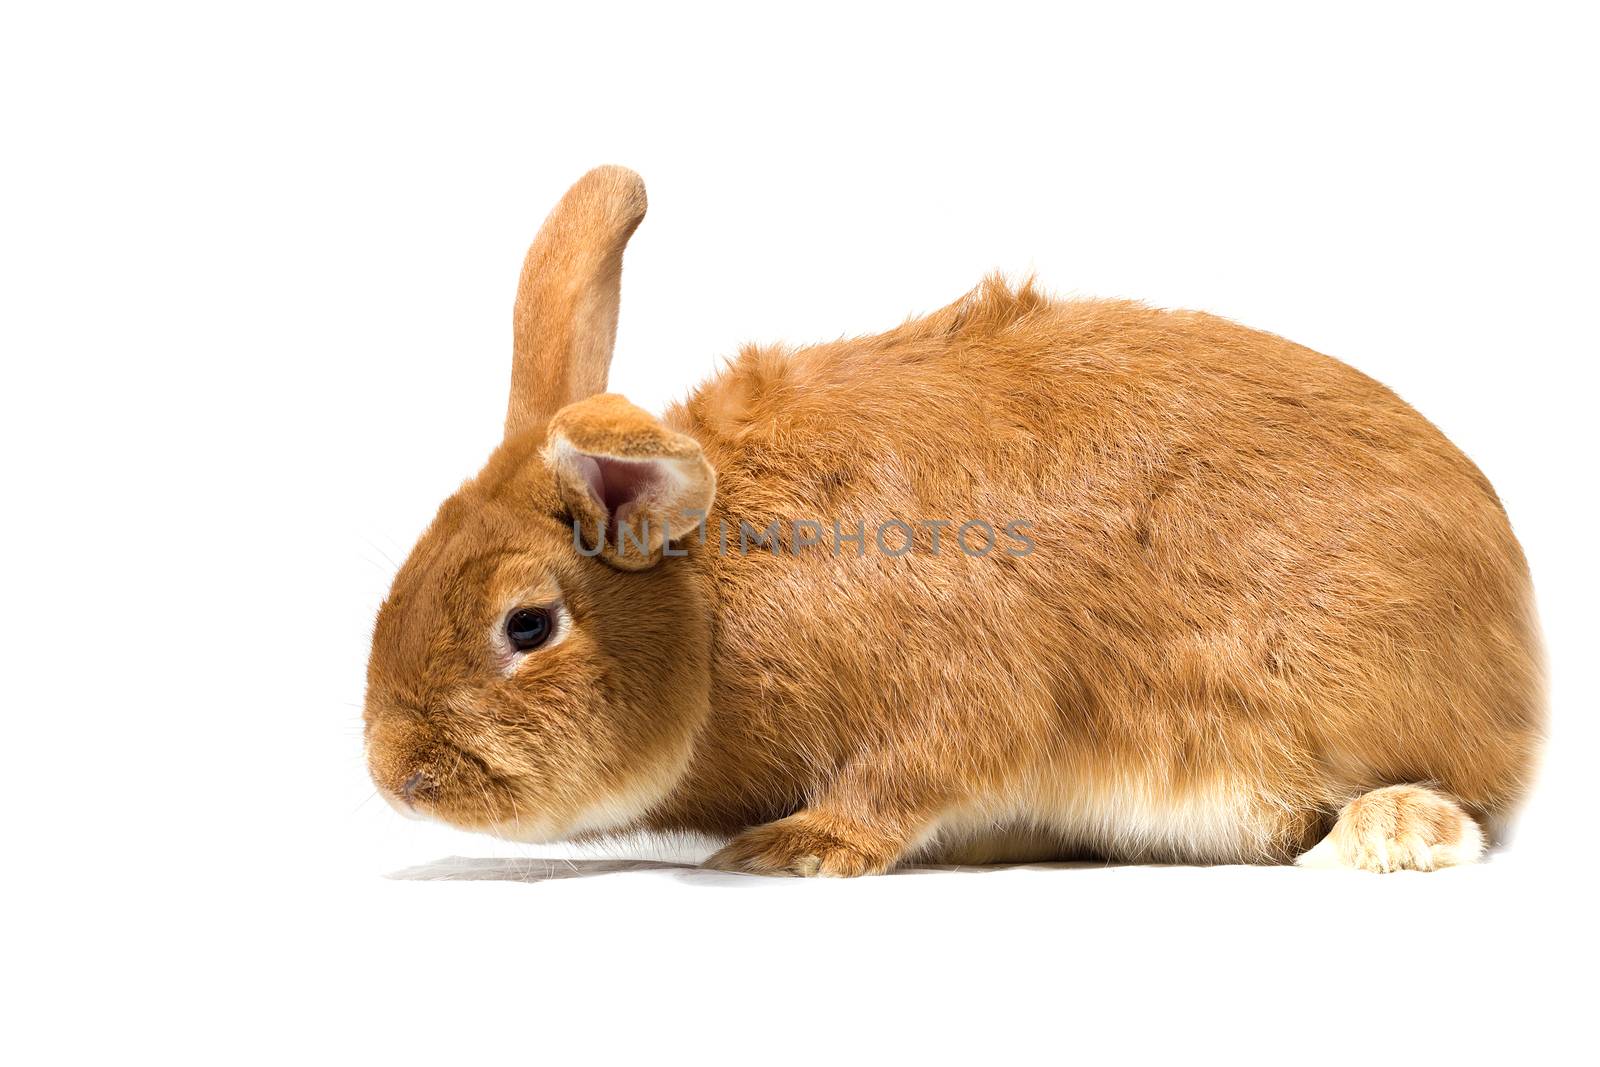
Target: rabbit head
pixel 539 669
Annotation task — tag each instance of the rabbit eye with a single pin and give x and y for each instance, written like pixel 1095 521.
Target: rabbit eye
pixel 528 628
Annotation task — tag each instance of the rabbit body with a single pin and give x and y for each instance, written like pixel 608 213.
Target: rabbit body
pixel 1093 579
pixel 1260 586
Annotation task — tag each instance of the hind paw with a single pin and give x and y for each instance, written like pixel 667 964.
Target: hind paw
pixel 1399 828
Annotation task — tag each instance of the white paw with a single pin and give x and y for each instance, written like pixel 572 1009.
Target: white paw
pixel 1399 828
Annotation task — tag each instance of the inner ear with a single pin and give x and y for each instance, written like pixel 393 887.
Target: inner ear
pixel 622 472
pixel 618 484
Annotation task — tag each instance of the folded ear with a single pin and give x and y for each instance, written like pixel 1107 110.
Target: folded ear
pixel 565 321
pixel 632 485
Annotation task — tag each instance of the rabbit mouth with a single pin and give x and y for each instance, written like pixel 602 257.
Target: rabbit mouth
pixel 470 797
pixel 424 775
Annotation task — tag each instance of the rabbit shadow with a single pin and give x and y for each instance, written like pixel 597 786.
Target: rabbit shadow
pixel 553 869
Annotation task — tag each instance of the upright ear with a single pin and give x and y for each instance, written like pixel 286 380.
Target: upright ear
pixel 565 321
pixel 632 485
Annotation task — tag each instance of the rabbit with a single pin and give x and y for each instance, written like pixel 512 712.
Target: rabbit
pixel 1022 579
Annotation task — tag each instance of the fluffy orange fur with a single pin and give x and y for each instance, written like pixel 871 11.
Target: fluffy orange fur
pixel 1263 592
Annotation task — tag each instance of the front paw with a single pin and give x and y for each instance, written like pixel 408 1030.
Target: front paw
pixel 805 846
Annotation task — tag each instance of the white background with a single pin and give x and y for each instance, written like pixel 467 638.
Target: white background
pixel 257 277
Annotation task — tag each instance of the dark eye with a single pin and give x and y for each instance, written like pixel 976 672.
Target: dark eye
pixel 528 628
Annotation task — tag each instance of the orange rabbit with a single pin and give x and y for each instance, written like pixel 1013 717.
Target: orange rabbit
pixel 1024 578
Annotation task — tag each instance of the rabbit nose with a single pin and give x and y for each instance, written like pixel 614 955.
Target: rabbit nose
pixel 409 787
